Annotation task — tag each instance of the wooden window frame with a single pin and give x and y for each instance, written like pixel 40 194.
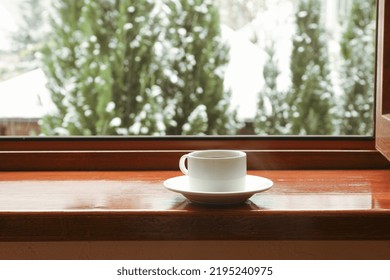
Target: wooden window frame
pixel 162 153
pixel 383 80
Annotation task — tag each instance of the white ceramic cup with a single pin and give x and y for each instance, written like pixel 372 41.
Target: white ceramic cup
pixel 215 170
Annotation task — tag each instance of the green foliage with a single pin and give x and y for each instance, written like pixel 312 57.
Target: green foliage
pixel 307 108
pixel 272 109
pixel 194 71
pixel 120 67
pixel 358 51
pixel 311 98
pixel 100 66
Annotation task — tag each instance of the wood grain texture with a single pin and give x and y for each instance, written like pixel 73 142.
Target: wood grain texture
pixel 196 250
pixel 168 160
pixel 302 205
pixel 140 153
pixel 185 143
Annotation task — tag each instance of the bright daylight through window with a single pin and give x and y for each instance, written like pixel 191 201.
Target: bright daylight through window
pixel 187 67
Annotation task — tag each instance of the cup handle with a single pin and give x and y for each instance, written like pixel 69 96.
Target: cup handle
pixel 182 164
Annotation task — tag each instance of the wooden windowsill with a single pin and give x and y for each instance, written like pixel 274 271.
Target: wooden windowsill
pixel 134 205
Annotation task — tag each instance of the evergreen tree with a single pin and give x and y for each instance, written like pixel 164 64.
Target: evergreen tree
pixel 358 51
pixel 195 57
pixel 101 66
pixel 137 68
pixel 311 98
pixel 272 110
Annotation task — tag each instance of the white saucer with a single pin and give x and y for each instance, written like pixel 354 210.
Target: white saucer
pixel 254 184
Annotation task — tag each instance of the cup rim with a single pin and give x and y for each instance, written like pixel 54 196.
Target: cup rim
pixel 239 154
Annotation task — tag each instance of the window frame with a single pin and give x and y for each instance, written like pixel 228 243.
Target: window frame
pixel 140 153
pixel 162 153
pixel 383 80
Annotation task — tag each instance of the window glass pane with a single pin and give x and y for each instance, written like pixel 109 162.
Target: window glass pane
pixel 187 67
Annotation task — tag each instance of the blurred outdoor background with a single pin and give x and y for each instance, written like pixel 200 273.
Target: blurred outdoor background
pixel 187 67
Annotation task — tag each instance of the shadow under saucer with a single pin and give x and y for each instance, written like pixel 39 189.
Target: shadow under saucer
pixel 190 205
